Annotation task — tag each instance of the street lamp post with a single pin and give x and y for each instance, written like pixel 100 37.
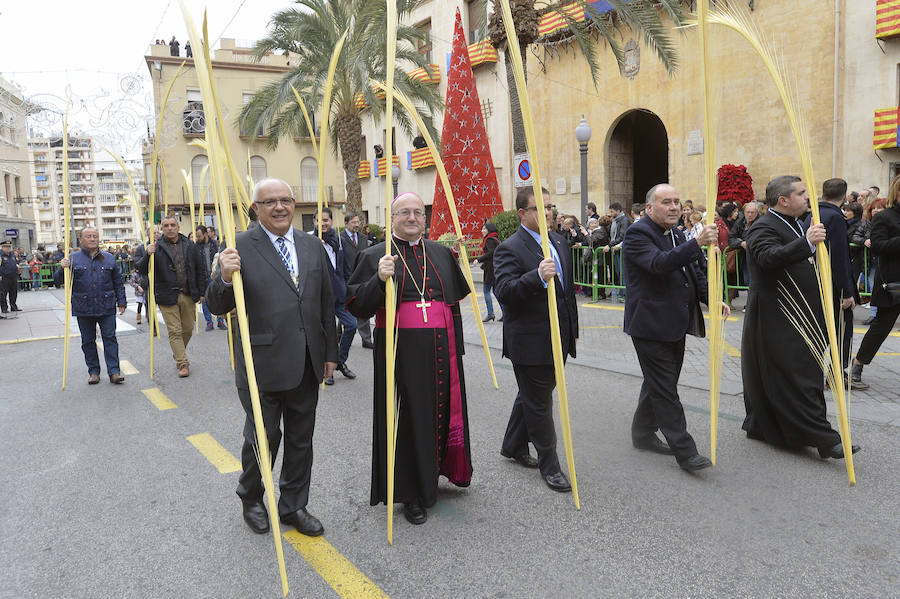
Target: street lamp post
pixel 583 135
pixel 395 176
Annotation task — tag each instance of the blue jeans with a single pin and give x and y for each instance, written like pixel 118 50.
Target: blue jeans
pixel 207 314
pixel 35 280
pixel 88 327
pixel 348 324
pixel 487 299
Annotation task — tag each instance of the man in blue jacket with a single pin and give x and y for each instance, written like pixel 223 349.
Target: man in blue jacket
pixel 97 290
pixel 662 304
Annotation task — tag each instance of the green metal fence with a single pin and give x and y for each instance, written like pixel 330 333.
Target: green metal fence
pixel 598 270
pixel 26 279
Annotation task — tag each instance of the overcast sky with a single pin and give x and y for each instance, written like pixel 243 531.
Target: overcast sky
pixel 91 51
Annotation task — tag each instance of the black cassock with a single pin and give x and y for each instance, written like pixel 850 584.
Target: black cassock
pixel 783 381
pixel 433 431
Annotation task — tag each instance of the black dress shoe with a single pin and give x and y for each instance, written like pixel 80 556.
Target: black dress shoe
pixel 368 344
pixel 256 517
pixel 415 513
pixel 329 380
pixel 488 318
pixel 16 309
pixel 304 522
pixel 652 443
pixel 694 463
pixel 836 452
pixel 346 371
pixel 558 482
pixel 524 459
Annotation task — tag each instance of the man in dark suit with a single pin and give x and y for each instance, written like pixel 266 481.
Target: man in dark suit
pixel 521 276
pixel 662 305
pixel 353 242
pixel 289 301
pixel 845 293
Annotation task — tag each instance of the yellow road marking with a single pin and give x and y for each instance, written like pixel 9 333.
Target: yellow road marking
pixel 862 331
pixel 27 339
pixel 213 451
pixel 732 350
pixel 888 353
pixel 599 307
pixel 622 309
pixel 158 399
pixel 127 367
pixel 336 569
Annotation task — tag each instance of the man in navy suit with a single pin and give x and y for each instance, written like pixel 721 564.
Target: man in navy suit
pixel 521 276
pixel 662 305
pixel 846 295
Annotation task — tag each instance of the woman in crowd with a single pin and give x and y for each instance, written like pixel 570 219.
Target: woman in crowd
pixel 884 243
pixel 490 239
pixel 864 262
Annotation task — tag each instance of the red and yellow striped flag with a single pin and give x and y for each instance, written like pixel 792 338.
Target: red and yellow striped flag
pixel 420 158
pixel 553 21
pixel 886 122
pixel 887 19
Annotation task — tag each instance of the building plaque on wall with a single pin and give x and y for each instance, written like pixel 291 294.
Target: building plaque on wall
pixel 575 185
pixel 560 186
pixel 695 142
pixel 632 59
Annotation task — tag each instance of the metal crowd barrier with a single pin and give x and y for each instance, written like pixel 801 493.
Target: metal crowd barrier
pixel 26 282
pixel 596 270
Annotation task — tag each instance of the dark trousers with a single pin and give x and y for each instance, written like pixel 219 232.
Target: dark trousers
pixel 531 418
pixel 847 315
pixel 877 333
pixel 9 286
pixel 88 327
pixel 365 329
pixel 347 330
pixel 659 407
pixel 297 407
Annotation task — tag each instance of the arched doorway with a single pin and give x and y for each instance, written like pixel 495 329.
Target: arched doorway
pixel 637 157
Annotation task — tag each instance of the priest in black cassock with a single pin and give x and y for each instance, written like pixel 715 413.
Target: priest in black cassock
pixel 433 433
pixel 783 381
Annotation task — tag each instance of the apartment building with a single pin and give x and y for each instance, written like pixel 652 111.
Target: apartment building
pixel 16 189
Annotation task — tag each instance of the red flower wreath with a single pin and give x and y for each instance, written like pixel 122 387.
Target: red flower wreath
pixel 735 184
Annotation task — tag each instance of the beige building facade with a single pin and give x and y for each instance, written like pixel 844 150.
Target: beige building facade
pixel 17 223
pixel 437 19
pixel 647 125
pixel 869 85
pixel 237 77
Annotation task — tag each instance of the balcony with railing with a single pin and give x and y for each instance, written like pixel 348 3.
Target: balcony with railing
pixel 193 120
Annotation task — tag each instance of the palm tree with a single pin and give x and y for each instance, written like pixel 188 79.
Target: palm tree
pixel 310 31
pixel 642 16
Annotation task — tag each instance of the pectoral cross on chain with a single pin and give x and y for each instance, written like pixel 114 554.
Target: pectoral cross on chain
pixel 423 304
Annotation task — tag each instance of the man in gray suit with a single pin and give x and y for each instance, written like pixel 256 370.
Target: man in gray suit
pixel 353 243
pixel 288 297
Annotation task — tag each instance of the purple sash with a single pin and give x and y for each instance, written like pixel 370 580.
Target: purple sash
pixel 455 465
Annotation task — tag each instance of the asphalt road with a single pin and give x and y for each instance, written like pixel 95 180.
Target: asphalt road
pixel 103 496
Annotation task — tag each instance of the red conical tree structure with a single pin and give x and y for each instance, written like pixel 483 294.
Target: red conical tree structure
pixel 465 151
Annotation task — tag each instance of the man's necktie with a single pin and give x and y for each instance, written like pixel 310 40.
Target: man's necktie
pixel 285 255
pixel 354 239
